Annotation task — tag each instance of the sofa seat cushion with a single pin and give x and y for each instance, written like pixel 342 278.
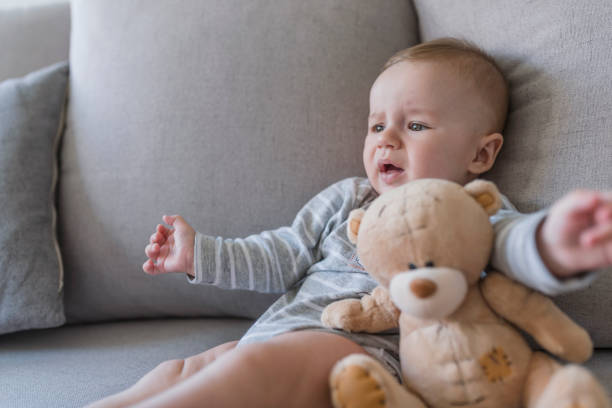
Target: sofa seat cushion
pixel 77 364
pixel 74 365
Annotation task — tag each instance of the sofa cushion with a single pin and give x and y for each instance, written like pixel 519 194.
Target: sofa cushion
pixel 556 56
pixel 74 365
pixel 31 120
pixel 232 114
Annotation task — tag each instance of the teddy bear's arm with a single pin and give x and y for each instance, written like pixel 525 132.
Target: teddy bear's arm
pixel 372 313
pixel 538 316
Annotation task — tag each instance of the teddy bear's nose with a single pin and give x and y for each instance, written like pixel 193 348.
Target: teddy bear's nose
pixel 423 288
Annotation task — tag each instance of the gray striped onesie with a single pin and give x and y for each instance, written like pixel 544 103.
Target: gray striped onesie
pixel 314 264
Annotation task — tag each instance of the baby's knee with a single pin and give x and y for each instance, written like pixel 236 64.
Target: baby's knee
pixel 180 369
pixel 170 369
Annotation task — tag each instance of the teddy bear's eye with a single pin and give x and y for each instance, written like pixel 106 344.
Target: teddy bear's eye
pixel 412 266
pixel 429 264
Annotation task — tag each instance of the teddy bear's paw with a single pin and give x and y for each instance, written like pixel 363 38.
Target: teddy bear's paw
pixel 343 314
pixel 359 381
pixel 354 387
pixel 574 386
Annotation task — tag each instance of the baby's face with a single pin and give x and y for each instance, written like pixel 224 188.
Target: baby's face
pixel 424 122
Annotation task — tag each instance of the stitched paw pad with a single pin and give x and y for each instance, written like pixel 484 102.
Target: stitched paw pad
pixel 354 387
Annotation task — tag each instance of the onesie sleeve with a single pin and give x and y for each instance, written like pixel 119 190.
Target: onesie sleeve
pixel 515 253
pixel 274 260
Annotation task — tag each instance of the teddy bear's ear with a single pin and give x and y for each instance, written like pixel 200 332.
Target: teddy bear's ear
pixel 486 193
pixel 352 227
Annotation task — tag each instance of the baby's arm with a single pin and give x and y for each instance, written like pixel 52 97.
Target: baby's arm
pixel 281 255
pixel 273 261
pixel 518 249
pixel 515 252
pixel 576 236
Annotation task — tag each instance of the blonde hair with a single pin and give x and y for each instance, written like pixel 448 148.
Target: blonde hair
pixel 470 61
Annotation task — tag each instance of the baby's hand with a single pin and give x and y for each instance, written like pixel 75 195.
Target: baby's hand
pixel 171 250
pixel 577 234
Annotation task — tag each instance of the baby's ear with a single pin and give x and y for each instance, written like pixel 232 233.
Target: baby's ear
pixel 486 193
pixel 352 227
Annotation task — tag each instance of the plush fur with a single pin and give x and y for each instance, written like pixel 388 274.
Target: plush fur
pixel 426 244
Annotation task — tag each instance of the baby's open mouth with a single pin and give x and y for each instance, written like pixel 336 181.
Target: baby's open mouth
pixel 389 172
pixel 386 168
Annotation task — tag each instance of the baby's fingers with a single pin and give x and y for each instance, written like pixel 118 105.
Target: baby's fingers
pixel 163 230
pixel 579 202
pixel 601 230
pixel 148 266
pixel 169 219
pixel 604 213
pixel 152 250
pixel 151 268
pixel 158 238
pixel 597 235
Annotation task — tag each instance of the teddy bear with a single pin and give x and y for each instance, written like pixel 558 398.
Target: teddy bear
pixel 426 244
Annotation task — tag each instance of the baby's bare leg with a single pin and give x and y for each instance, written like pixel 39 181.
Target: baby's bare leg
pixel 164 376
pixel 290 370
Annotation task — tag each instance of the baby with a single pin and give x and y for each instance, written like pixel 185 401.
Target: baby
pixel 437 110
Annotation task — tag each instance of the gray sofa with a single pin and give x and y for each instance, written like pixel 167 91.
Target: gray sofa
pixel 233 114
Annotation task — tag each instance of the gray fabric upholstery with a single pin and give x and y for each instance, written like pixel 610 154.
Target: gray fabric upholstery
pixel 232 123
pixel 33 37
pixel 31 120
pixel 74 365
pixel 556 56
pixel 601 365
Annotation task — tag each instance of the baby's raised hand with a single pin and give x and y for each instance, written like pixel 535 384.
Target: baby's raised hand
pixel 577 233
pixel 170 249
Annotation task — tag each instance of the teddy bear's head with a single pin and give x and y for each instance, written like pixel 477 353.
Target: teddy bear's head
pixel 427 241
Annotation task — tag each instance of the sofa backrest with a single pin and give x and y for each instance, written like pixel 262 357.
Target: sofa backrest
pixel 230 113
pixel 556 56
pixel 253 109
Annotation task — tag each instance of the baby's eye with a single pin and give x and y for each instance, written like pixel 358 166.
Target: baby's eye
pixel 417 127
pixel 378 128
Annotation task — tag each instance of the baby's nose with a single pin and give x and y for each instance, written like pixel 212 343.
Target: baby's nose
pixel 388 139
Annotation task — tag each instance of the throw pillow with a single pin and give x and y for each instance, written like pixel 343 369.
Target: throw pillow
pixel 31 121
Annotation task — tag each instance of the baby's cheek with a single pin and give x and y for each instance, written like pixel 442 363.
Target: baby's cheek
pixel 442 168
